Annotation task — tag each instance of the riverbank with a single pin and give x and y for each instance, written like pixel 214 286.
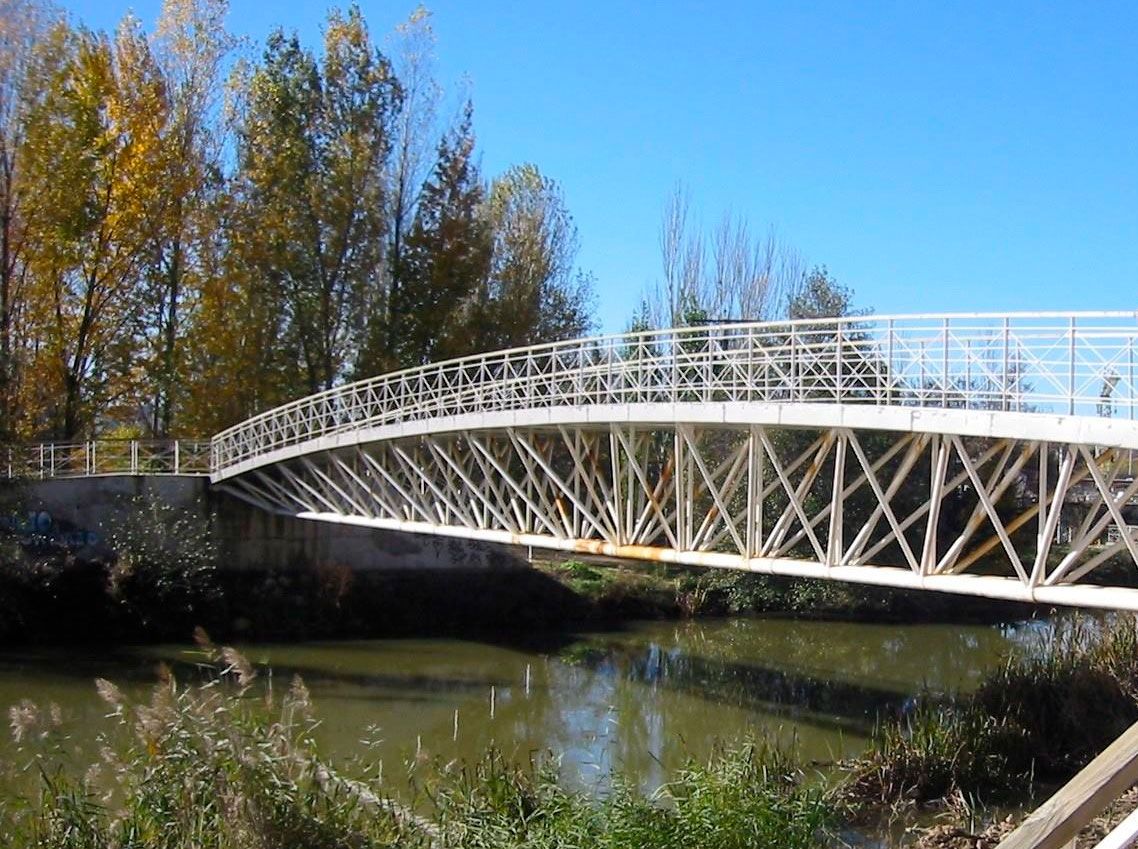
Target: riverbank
pixel 62 599
pixel 610 588
pixel 948 754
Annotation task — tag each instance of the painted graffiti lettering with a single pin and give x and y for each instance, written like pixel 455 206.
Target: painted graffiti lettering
pixel 38 529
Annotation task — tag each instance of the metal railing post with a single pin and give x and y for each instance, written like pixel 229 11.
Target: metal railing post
pixel 708 368
pixel 969 401
pixel 1071 369
pixel 838 383
pixel 944 368
pixel 1130 371
pixel 924 377
pixel 793 364
pixel 749 395
pixel 177 457
pixel 889 366
pixel 1004 376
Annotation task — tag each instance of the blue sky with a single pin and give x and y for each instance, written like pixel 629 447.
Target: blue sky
pixel 935 156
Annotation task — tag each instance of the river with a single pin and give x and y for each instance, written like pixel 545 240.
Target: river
pixel 637 700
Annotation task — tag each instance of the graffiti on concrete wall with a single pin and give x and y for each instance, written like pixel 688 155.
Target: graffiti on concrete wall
pixel 38 529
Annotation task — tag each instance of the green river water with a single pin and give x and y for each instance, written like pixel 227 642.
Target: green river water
pixel 639 699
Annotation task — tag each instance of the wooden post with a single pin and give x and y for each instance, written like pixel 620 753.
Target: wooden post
pixel 1055 823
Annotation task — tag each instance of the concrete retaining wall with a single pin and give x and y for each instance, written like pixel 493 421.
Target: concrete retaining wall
pixel 75 512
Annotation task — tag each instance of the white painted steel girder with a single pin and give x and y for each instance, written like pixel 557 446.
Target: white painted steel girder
pixel 828 500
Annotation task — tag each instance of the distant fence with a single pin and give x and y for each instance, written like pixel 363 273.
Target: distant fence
pixel 105 457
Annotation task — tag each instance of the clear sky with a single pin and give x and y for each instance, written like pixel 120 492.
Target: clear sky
pixel 935 156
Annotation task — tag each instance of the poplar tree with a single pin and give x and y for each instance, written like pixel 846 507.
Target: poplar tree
pixel 413 57
pixel 446 257
pixel 24 24
pixel 191 46
pixel 313 143
pixel 534 292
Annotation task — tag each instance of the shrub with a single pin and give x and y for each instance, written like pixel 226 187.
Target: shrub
pixel 1046 712
pixel 939 751
pixel 165 563
pixel 1071 694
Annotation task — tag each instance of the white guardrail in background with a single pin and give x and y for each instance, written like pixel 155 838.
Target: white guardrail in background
pixel 106 457
pixel 1071 363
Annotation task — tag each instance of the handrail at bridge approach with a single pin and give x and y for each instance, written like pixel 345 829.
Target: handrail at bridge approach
pixel 95 457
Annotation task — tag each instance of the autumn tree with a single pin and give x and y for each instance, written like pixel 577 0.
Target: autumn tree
pixel 236 364
pixel 93 157
pixel 312 147
pixel 533 292
pixel 24 24
pixel 191 49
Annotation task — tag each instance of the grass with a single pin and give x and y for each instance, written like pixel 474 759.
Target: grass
pixel 939 752
pixel 1070 696
pixel 608 589
pixel 749 795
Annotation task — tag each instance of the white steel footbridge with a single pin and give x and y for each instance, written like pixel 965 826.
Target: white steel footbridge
pixel 973 453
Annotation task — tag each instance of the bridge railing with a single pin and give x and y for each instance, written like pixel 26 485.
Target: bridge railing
pixel 1062 363
pixel 105 457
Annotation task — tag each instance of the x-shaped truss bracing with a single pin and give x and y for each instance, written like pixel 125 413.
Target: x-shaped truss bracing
pixel 971 515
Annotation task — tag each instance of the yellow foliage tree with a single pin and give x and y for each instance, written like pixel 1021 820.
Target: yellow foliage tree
pixel 23 25
pixel 94 157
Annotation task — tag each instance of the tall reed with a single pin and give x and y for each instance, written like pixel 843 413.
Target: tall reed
pixel 209 766
pixel 1044 713
pixel 222 765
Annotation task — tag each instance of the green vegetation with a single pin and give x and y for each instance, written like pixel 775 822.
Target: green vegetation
pixel 228 763
pixel 750 795
pixel 1040 717
pixel 611 590
pixel 221 765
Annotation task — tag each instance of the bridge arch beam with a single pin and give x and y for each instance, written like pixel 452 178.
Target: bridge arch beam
pixel 824 501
